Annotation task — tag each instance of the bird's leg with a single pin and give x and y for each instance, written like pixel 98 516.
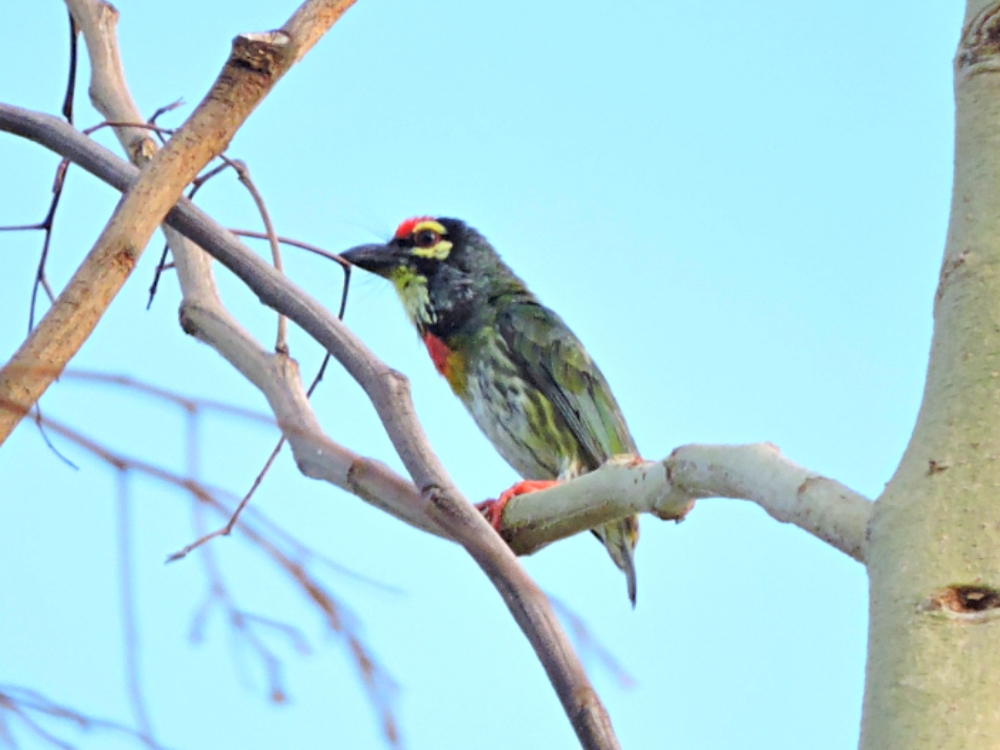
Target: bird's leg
pixel 493 509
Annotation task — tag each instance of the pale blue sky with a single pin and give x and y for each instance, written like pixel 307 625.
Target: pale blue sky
pixel 740 209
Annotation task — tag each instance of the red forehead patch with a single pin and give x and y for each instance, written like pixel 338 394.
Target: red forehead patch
pixel 406 228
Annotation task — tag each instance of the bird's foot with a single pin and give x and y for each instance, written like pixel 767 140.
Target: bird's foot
pixel 493 509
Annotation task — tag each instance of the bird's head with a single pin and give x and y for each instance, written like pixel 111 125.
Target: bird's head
pixel 444 271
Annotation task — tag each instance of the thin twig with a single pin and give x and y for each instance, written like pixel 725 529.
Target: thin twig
pixel 21 702
pixel 266 536
pixel 46 225
pixel 164 109
pixel 201 179
pixel 228 528
pixel 294 636
pixel 113 124
pixel 163 265
pixel 344 265
pixel 39 421
pixel 588 643
pixel 243 172
pixel 67 107
pixel 20 227
pixel 218 594
pixel 187 403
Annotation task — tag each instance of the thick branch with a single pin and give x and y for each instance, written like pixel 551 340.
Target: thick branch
pixel 668 488
pixel 788 492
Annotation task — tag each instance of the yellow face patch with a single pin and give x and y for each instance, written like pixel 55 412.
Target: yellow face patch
pixel 411 288
pixel 429 240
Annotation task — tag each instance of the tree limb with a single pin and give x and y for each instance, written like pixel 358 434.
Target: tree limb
pixel 668 489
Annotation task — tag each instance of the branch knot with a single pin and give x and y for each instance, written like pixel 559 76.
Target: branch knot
pixel 979 47
pixel 264 52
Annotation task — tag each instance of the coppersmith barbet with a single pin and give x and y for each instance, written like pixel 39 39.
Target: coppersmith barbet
pixel 526 379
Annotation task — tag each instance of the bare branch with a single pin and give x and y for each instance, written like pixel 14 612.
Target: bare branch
pixel 344 265
pixel 228 528
pixel 291 558
pixel 789 493
pixel 668 488
pixel 201 299
pixel 29 707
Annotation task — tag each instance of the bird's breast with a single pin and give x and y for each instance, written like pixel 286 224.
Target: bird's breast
pixel 516 417
pixel 450 363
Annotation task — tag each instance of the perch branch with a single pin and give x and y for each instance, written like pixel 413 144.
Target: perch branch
pixel 758 473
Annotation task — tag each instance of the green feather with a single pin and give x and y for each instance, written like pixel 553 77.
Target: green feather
pixel 554 361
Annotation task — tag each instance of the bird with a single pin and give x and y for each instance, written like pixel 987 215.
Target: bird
pixel 525 378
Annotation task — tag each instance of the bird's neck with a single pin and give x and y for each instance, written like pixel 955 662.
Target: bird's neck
pixel 463 312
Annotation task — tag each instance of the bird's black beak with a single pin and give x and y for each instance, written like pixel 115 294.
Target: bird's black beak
pixel 378 259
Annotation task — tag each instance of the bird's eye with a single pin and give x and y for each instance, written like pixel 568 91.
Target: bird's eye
pixel 426 238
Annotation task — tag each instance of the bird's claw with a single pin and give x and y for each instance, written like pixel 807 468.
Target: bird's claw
pixel 493 509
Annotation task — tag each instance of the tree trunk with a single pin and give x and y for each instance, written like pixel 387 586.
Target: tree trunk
pixel 933 674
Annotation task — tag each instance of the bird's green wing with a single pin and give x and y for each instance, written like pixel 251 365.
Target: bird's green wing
pixel 555 362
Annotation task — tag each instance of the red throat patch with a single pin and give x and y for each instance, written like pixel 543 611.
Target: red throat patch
pixel 406 228
pixel 439 352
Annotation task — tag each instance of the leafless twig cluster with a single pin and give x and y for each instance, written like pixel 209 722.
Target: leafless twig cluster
pixel 298 564
pixel 35 713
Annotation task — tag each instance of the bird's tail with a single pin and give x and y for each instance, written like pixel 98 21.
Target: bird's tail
pixel 620 539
